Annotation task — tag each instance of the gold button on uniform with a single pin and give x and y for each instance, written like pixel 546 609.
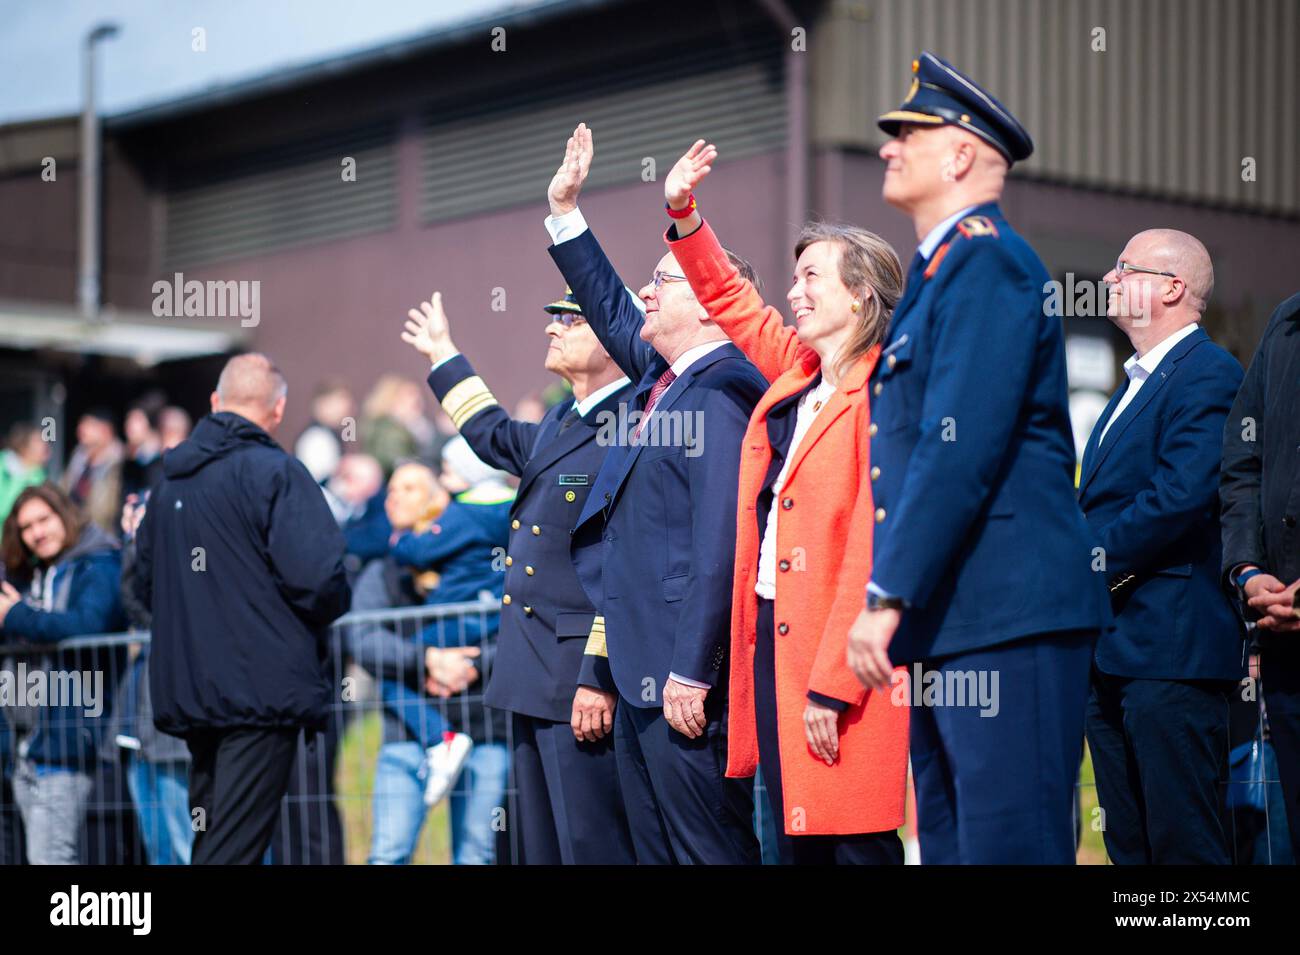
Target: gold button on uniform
pixel 528 611
pixel 528 571
pixel 509 561
pixel 536 530
pixel 514 524
pixel 880 514
pixel 873 429
pixel 506 600
pixel 891 361
pixel 570 496
pixel 875 473
pixel 879 387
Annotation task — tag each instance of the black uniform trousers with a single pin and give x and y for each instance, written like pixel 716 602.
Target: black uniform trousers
pixel 237 778
pixel 570 810
pixel 681 808
pixel 1280 683
pixel 1160 754
pixel 865 848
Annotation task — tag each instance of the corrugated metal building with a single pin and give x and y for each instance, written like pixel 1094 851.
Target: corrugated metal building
pixel 1147 123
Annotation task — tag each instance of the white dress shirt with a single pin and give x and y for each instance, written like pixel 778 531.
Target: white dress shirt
pixel 1140 369
pixel 599 395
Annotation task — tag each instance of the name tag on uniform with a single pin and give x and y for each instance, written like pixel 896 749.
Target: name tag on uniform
pixel 574 480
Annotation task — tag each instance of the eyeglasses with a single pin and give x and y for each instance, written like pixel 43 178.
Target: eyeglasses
pixel 662 277
pixel 1123 268
pixel 567 319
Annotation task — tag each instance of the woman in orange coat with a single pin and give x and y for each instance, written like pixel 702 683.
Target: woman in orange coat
pixel 834 756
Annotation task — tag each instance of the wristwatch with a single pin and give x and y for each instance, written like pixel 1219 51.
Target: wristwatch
pixel 878 602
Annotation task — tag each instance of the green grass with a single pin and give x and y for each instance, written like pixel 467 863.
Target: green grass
pixel 1092 851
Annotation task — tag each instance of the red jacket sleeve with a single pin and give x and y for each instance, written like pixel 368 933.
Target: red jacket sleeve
pixel 734 304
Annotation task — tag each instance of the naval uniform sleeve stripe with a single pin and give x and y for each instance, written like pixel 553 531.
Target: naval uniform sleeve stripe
pixel 467 399
pixel 596 642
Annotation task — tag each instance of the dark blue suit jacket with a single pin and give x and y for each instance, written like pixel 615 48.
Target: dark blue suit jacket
pixel 547 624
pixel 656 542
pixel 1151 494
pixel 978 527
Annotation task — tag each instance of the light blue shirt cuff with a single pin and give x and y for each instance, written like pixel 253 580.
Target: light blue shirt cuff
pixel 442 361
pixel 695 683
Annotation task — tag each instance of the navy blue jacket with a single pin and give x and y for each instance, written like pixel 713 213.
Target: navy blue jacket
pixel 978 527
pixel 655 543
pixel 1150 492
pixel 244 641
pixel 1260 480
pixel 80 597
pixel 547 626
pixel 466 546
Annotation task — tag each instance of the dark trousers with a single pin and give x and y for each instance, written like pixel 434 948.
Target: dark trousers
pixel 11 820
pixel 570 810
pixel 681 808
pixel 237 780
pixel 999 788
pixel 866 848
pixel 1280 682
pixel 1160 753
pixel 309 830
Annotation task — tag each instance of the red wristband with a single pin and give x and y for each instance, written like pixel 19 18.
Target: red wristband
pixel 681 213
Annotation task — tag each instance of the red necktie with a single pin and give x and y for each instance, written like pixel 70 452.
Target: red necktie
pixel 661 385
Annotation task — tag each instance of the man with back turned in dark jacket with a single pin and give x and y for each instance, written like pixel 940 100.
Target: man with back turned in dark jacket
pixel 1260 490
pixel 241 563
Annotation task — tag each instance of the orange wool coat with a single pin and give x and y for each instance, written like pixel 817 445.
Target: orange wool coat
pixel 825 533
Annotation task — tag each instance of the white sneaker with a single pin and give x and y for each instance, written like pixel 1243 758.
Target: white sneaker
pixel 445 761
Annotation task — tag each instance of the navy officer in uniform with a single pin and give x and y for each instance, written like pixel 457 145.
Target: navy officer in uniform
pixel 551 670
pixel 983 563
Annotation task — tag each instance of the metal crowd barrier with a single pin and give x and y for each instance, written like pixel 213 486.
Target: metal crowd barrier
pixel 346 784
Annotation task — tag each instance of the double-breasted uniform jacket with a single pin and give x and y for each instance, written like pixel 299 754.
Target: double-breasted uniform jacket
pixel 551 639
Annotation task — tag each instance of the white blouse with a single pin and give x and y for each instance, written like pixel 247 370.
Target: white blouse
pixel 810 405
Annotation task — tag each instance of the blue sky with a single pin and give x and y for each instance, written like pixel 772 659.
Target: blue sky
pixel 151 59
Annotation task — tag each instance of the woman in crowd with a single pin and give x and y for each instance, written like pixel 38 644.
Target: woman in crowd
pixel 70 571
pixel 834 757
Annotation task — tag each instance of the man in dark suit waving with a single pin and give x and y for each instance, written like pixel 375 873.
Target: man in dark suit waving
pixel 655 543
pixel 561 699
pixel 1157 722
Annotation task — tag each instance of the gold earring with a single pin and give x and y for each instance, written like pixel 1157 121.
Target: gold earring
pixel 856 305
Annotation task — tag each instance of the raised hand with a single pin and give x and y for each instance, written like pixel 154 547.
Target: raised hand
pixel 427 330
pixel 688 173
pixel 567 182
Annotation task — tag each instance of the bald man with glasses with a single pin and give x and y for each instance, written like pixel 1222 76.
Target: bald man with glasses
pixel 1157 720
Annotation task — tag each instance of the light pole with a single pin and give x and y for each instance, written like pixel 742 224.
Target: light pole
pixel 88 261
